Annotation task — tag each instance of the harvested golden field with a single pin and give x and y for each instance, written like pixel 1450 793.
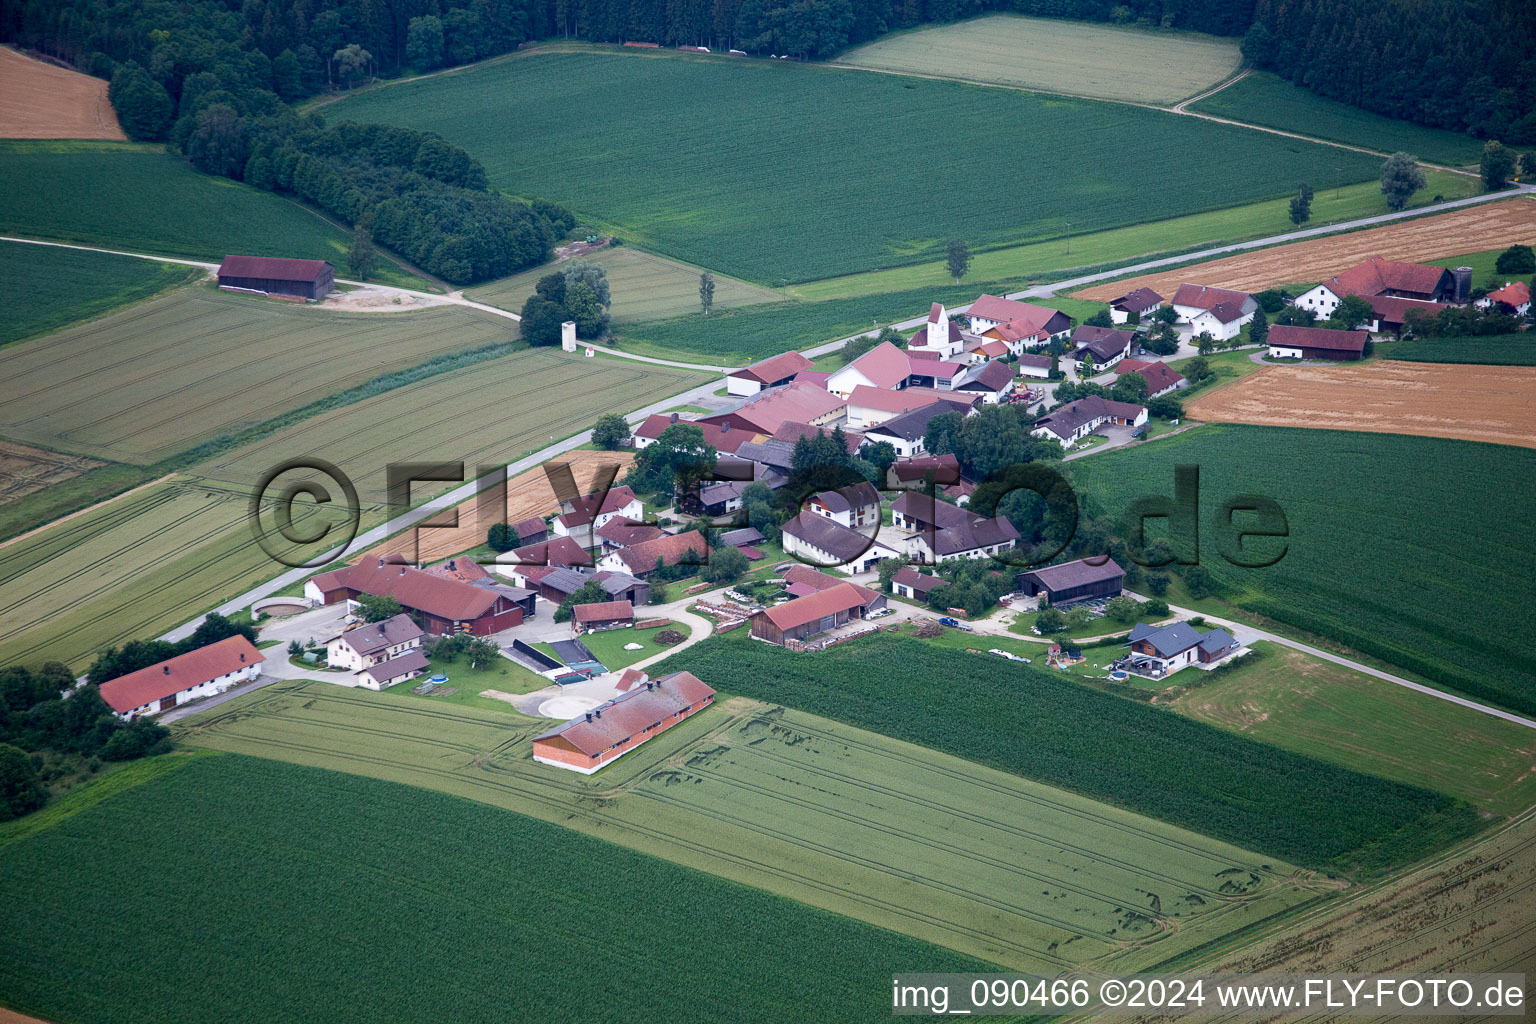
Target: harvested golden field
pixel 1473 403
pixel 40 101
pixel 1474 229
pixel 528 494
pixel 24 469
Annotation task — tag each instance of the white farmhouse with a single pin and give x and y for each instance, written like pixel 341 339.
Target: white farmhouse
pixel 204 672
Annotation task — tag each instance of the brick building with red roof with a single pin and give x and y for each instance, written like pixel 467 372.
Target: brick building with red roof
pixel 614 728
pixel 204 672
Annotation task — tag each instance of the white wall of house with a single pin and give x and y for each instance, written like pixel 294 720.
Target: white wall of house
pixel 1279 352
pixel 211 688
pixel 1318 299
pixel 861 417
pixel 904 449
pixel 314 593
pixel 1040 372
pixel 843 381
pixel 742 387
pixel 340 654
pixel 1206 322
pixel 1099 367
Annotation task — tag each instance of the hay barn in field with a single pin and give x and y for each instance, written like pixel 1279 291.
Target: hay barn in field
pixel 305 279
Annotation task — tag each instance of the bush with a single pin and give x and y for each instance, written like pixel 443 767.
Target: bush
pixel 136 740
pixel 20 791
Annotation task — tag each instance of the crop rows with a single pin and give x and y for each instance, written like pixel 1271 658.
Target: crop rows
pixel 44 287
pixel 1500 350
pixel 1412 550
pixel 1029 722
pixel 422 921
pixel 777 173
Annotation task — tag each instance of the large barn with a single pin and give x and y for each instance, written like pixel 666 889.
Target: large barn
pixel 613 729
pixel 443 606
pixel 1071 582
pixel 204 672
pixel 304 279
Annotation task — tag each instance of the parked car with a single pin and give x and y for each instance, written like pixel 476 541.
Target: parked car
pixel 882 613
pixel 945 620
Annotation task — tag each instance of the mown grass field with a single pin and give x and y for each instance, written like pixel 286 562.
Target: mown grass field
pixel 165 375
pixel 1315 707
pixel 1497 350
pixel 42 287
pixel 434 909
pixel 1056 257
pixel 140 565
pixel 910 839
pixel 645 286
pixel 1029 721
pixel 1077 58
pixel 1267 99
pixel 1411 550
pixel 139 198
pixel 696 158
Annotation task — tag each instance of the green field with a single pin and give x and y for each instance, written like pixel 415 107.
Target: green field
pixel 1482 264
pixel 644 286
pixel 1496 350
pixel 163 376
pixel 139 198
pixel 153 559
pixel 42 287
pixel 1315 707
pixel 1011 871
pixel 1030 721
pixel 1265 99
pixel 1412 550
pixel 696 158
pixel 1056 258
pixel 435 909
pixel 1078 58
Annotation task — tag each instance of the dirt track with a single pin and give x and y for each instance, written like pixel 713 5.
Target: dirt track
pixel 528 494
pixel 40 101
pixel 1473 403
pixel 1473 229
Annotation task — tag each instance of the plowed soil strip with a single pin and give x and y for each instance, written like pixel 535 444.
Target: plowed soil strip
pixel 1473 229
pixel 1471 403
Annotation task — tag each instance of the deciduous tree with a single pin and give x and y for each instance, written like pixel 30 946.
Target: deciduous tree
pixel 957 259
pixel 1401 177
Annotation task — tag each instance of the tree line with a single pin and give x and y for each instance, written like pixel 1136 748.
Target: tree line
pixel 1469 67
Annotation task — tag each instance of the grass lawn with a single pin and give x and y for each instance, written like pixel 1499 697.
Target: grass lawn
pixel 829 815
pixel 644 286
pixel 1483 273
pixel 608 646
pixel 1226 367
pixel 727 184
pixel 1102 626
pixel 286 866
pixel 1078 58
pixel 1266 99
pixel 468 683
pixel 1315 707
pixel 43 288
pixel 1359 566
pixel 1057 256
pixel 139 198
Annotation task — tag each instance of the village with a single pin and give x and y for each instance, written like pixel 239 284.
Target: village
pixel 891 537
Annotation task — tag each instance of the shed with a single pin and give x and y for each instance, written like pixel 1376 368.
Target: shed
pixel 307 279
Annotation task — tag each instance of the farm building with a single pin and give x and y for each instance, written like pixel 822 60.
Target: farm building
pixel 1160 377
pixel 770 373
pixel 856 505
pixel 556 583
pixel 1159 650
pixel 589 512
pixel 592 618
pixel 622 532
pixel 743 537
pixel 992 381
pixel 1391 313
pixel 1219 312
pixel 1288 342
pixel 905 432
pixel 884 366
pixel 1391 278
pixel 305 279
pixel 868 407
pixel 1071 582
pixel 1032 365
pixel 1076 420
pixel 1106 345
pixel 722 437
pixel 362 646
pixel 765 411
pixel 944 468
pixel 641 560
pixel 614 728
pixel 939 336
pixel 908 582
pixel 442 606
pixel 807 616
pixel 1514 298
pixel 1141 303
pixel 559 551
pixel 826 543
pixel 941 532
pixel 929 371
pixel 1016 323
pixel 204 672
pixel 800 580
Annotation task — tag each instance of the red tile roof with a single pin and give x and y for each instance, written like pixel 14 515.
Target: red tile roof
pixel 1377 275
pixel 791 432
pixel 629 679
pixel 273 268
pixel 775 369
pixel 920 338
pixel 802 403
pixel 671 549
pixel 182 672
pixel 1515 294
pixel 812 580
pixel 887 400
pixel 885 365
pixel 1158 375
pixel 603 611
pixel 793 614
pixel 557 551
pixel 1390 309
pixel 624 531
pixel 630 714
pixel 1202 296
pixel 1287 336
pixel 992 307
pixel 413 588
pixel 461 568
pixel 945 468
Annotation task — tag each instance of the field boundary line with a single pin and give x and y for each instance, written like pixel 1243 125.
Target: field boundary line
pixel 82 511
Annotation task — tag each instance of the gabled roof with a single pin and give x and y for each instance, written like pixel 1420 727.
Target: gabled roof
pixel 629 714
pixel 844 499
pixel 273 268
pixel 1103 342
pixel 994 377
pixel 1216 640
pixel 413 660
pixel 589 506
pixel 770 408
pixel 530 527
pixel 182 672
pixel 1077 573
pixel 776 454
pixel 603 611
pixel 722 437
pixel 774 369
pixel 1168 641
pixel 379 636
pixel 1226 312
pixel 556 551
pixel 413 588
pixel 1516 294
pixel 992 349
pixel 671 549
pixel 945 468
pixel 616 582
pixel 460 567
pixel 624 531
pixel 741 536
pixel 919 582
pixel 790 431
pixel 802 610
pixel 1287 336
pixel 909 426
pixel 951 336
pixel 822 533
pixel 1158 375
pixel 1376 275
pixel 1204 296
pixel 629 679
pixel 810 580
pixel 992 307
pixel 1390 309
pixel 1138 300
pixel 1030 359
pixel 1066 420
pixel 884 366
